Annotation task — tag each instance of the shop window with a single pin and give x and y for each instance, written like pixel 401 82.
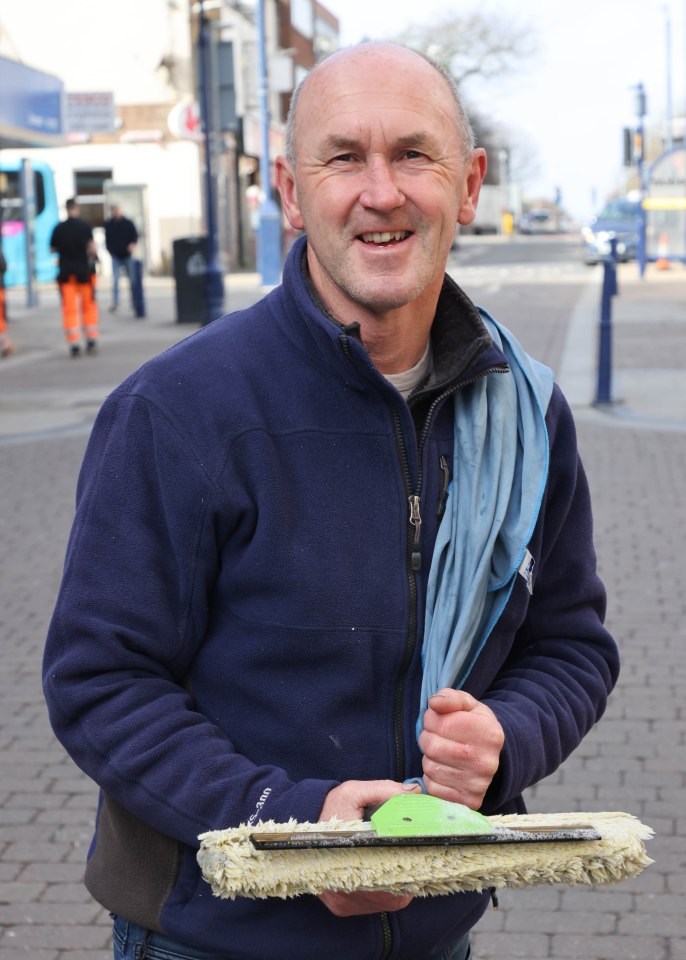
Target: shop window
pixel 89 188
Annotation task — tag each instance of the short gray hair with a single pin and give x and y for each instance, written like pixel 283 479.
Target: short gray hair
pixel 464 127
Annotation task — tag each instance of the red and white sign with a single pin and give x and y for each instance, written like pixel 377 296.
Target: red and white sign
pixel 184 120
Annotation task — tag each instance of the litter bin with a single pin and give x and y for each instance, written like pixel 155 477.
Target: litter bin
pixel 190 268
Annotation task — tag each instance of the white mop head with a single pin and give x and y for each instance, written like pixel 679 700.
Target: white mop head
pixel 234 868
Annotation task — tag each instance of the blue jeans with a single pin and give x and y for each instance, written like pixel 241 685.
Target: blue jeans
pixel 132 942
pixel 119 264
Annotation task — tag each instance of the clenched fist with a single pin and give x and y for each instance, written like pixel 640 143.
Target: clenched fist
pixel 461 742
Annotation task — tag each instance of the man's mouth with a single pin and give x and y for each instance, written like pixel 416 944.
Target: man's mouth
pixel 386 237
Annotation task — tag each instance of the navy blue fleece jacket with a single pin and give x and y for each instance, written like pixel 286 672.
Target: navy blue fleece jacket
pixel 239 624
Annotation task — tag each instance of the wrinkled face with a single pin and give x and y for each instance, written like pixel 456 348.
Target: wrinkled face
pixel 380 180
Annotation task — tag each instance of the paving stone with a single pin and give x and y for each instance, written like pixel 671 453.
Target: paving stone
pixel 30 937
pixel 20 893
pixel 560 921
pixel 657 924
pixel 65 893
pixel 20 953
pixel 609 948
pixel 611 899
pixel 27 852
pixel 496 946
pixel 52 872
pixel 35 913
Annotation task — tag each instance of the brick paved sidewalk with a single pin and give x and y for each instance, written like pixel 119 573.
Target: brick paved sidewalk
pixel 634 760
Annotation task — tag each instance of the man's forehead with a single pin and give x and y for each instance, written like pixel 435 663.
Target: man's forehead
pixel 343 141
pixel 378 57
pixel 377 80
pixel 349 89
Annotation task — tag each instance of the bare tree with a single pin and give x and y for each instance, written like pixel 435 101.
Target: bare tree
pixel 478 46
pixel 473 44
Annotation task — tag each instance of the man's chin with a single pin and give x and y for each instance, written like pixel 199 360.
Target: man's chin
pixel 389 294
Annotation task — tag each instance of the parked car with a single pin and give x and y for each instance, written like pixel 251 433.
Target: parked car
pixel 538 221
pixel 620 218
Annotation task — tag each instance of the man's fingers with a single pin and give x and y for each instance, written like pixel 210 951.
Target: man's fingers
pixel 348 800
pixel 362 902
pixel 475 729
pixel 449 701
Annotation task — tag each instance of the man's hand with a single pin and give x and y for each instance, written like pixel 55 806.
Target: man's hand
pixel 461 742
pixel 347 802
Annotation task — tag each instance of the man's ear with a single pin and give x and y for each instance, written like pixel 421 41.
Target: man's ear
pixel 474 173
pixel 285 181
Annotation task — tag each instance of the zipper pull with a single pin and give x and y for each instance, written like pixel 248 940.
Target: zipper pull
pixel 445 483
pixel 416 522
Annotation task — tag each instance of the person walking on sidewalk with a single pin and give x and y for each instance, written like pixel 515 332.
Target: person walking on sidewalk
pixel 121 238
pixel 6 345
pixel 72 240
pixel 328 549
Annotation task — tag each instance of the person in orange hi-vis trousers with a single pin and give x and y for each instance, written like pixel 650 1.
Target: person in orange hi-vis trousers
pixel 72 240
pixel 6 345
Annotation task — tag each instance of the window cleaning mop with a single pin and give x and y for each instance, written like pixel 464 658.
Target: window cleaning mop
pixel 420 845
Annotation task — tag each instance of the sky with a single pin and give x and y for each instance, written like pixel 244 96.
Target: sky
pixel 570 103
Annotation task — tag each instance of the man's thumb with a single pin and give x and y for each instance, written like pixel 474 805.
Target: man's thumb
pixel 451 701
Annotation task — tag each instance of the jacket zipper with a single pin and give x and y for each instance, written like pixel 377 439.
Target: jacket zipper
pixel 387 936
pixel 414 540
pixel 414 565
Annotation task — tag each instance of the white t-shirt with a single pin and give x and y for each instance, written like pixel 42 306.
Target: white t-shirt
pixel 406 381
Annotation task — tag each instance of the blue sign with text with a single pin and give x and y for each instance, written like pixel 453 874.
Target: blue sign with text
pixel 30 100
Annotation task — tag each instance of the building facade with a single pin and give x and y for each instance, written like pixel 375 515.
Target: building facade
pixel 151 157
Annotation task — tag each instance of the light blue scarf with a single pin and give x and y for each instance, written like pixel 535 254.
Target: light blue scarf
pixel 499 475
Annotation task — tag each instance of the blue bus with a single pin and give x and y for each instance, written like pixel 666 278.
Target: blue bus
pixel 11 218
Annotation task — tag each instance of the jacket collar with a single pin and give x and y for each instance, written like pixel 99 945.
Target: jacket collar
pixel 462 347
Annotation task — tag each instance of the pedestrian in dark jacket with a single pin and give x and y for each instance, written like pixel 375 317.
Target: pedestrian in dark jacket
pixel 328 549
pixel 72 240
pixel 121 238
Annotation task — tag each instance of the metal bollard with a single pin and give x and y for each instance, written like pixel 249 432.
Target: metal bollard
pixel 604 382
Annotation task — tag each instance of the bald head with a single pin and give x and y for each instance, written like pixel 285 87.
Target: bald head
pixel 381 170
pixel 396 57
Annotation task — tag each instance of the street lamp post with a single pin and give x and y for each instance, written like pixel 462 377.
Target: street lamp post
pixel 269 226
pixel 669 138
pixel 213 305
pixel 640 169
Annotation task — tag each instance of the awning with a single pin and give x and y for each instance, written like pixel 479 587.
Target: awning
pixel 31 110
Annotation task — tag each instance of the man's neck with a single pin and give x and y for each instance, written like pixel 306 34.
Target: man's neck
pixel 396 339
pixel 396 343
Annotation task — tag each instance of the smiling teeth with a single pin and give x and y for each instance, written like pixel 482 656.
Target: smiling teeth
pixel 385 237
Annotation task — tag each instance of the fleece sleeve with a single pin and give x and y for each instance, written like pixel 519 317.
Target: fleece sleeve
pixel 130 615
pixel 563 664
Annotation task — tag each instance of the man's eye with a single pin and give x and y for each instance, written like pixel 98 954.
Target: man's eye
pixel 413 155
pixel 343 158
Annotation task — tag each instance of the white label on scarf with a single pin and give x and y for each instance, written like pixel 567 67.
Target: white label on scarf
pixel 526 570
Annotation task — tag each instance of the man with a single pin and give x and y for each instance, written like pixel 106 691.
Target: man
pixel 72 240
pixel 121 238
pixel 256 571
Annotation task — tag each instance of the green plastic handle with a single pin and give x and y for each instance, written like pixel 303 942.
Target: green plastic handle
pixel 420 815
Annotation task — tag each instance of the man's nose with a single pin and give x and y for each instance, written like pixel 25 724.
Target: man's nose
pixel 381 190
